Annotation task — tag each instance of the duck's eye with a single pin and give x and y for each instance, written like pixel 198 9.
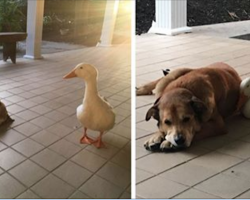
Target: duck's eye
pixel 186 119
pixel 80 67
pixel 247 86
pixel 168 122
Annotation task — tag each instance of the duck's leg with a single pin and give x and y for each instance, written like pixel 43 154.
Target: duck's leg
pixel 98 142
pixel 85 139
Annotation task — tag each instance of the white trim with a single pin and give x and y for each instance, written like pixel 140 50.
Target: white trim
pixel 172 32
pixel 33 57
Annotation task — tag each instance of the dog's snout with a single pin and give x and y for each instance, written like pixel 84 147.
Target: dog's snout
pixel 179 139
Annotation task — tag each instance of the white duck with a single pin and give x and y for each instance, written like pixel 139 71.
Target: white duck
pixel 245 91
pixel 95 112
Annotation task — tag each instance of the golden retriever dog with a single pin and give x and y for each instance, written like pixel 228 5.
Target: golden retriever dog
pixel 192 104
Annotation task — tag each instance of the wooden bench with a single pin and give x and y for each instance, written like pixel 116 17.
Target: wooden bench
pixel 9 40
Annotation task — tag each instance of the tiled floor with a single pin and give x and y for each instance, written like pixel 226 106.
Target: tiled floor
pixel 40 153
pixel 213 168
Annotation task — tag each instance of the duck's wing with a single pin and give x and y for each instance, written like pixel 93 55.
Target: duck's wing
pixel 106 101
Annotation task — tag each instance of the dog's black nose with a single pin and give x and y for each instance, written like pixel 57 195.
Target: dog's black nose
pixel 179 139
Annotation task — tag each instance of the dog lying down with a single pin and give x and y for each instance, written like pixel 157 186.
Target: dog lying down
pixel 191 104
pixel 4 116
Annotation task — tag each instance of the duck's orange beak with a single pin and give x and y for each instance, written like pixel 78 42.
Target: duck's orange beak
pixel 71 74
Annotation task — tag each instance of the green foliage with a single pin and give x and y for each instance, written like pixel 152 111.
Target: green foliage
pixel 11 16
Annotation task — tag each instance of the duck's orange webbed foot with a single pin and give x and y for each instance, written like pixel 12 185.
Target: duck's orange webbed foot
pixel 98 143
pixel 86 139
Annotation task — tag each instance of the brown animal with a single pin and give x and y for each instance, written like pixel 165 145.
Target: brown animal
pixel 192 104
pixel 4 116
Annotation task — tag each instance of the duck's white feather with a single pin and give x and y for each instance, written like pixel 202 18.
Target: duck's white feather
pixel 97 115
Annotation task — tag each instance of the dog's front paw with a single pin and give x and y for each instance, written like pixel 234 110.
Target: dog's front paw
pixel 167 146
pixel 154 143
pixel 143 91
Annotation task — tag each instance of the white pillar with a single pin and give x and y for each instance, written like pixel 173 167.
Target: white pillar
pixel 109 23
pixel 34 29
pixel 171 17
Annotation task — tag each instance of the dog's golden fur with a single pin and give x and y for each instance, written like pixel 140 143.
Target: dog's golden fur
pixel 192 104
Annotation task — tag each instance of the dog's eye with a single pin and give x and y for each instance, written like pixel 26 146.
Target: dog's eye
pixel 80 67
pixel 168 122
pixel 186 119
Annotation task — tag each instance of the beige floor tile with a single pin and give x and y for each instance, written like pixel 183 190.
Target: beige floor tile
pixel 72 174
pixel 17 121
pixel 1 171
pixel 48 159
pixel 70 150
pixel 125 195
pixel 28 195
pixel 2 146
pixel 28 147
pixel 67 110
pixel 79 195
pixel 158 187
pixel 142 175
pixel 150 126
pixel 5 94
pixel 195 194
pixel 27 129
pixel 59 130
pixel 239 171
pixel 11 137
pixel 9 158
pixel 42 122
pixel 115 174
pixel 27 115
pixel 142 133
pixel 158 162
pixel 38 99
pixel 141 152
pixel 45 138
pixel 41 109
pixel 9 187
pixel 89 160
pixel 27 94
pixel 16 91
pixel 115 140
pixel 27 104
pixel 99 188
pixel 108 152
pixel 214 143
pixel 220 186
pixel 188 174
pixel 75 137
pixel 123 159
pixel 238 149
pixel 216 161
pixel 55 116
pixel 245 195
pixel 71 122
pixel 28 173
pixel 52 187
pixel 13 109
pixel 122 131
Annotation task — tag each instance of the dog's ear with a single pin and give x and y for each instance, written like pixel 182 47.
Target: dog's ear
pixel 198 106
pixel 153 111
